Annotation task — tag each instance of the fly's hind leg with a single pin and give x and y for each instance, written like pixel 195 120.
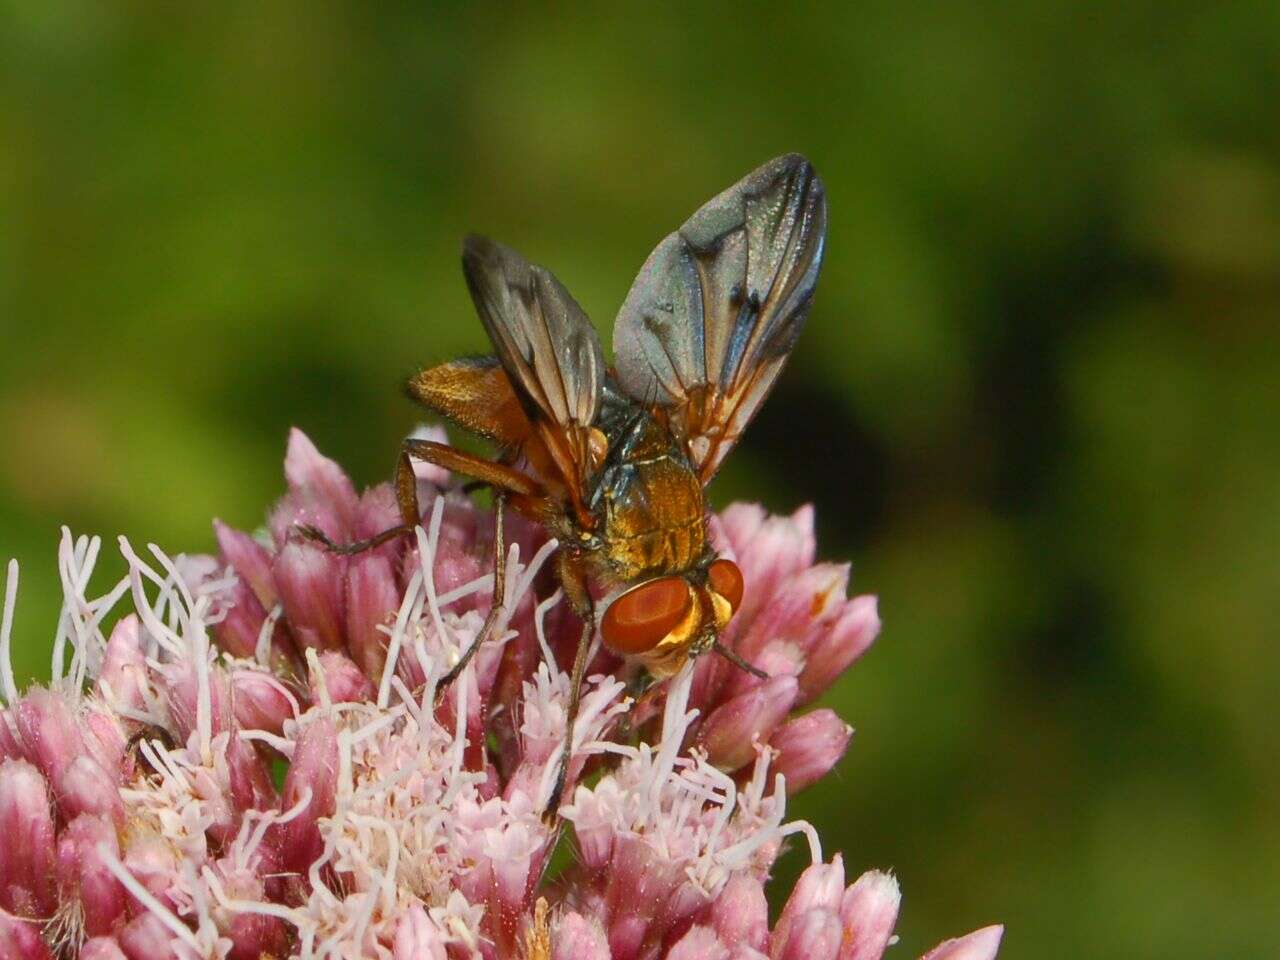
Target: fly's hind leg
pixel 496 475
pixel 575 589
pixel 496 605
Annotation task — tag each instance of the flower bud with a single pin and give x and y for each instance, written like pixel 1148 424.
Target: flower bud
pixel 869 911
pixel 88 789
pixel 417 937
pixel 814 935
pixel 250 560
pixel 741 913
pixel 310 580
pixel 699 943
pixel 982 944
pixel 819 888
pixel 341 678
pixel 145 937
pixel 27 867
pixel 102 948
pixel 315 769
pixel 578 938
pixel 20 939
pixel 838 646
pixel 261 701
pixel 124 666
pixel 50 735
pixel 809 746
pixel 733 728
pixel 320 488
pixel 82 873
pixel 373 598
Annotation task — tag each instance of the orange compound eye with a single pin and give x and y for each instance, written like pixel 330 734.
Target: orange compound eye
pixel 638 620
pixel 726 580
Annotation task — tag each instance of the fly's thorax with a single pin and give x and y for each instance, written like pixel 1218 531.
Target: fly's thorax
pixel 653 518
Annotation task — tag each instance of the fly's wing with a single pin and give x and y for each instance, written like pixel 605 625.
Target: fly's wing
pixel 717 307
pixel 547 347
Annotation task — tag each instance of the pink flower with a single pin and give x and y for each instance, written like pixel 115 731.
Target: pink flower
pixel 409 822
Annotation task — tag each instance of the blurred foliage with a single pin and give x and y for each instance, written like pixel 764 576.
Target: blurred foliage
pixel 1036 402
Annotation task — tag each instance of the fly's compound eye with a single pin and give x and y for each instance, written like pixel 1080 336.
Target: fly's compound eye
pixel 645 615
pixel 725 578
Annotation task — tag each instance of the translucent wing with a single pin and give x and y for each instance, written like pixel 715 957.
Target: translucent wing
pixel 717 307
pixel 548 348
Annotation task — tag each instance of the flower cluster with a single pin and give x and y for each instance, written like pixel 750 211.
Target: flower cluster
pixel 259 760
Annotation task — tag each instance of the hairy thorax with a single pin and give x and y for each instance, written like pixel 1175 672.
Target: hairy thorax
pixel 654 516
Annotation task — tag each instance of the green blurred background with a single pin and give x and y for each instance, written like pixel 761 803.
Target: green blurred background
pixel 1036 402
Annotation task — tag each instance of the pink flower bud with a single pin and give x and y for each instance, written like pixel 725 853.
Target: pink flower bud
pixel 124 667
pixel 312 590
pixel 83 875
pixel 699 943
pixel 238 631
pixel 314 769
pixel 261 701
pixel 843 642
pixel 814 935
pixel 250 560
pixel 373 597
pixel 145 937
pixel 417 937
pixel 20 939
pixel 740 914
pixel 153 861
pixel 321 489
pixel 26 867
pixel 982 944
pixel 797 609
pixel 11 747
pixel 768 549
pixel 809 746
pixel 341 678
pixel 88 789
pixel 869 911
pixel 820 888
pixel 49 732
pixel 102 948
pixel 732 729
pixel 576 937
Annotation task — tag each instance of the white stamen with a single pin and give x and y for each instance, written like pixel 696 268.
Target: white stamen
pixel 7 684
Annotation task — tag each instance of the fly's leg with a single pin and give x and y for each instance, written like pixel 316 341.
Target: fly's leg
pixel 496 475
pixel 496 607
pixel 575 588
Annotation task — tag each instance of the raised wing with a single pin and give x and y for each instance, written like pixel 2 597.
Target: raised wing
pixel 548 348
pixel 717 307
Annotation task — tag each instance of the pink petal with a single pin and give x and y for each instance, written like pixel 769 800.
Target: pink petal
pixel 27 868
pixel 342 680
pixel 740 913
pixel 837 647
pixel 314 769
pixel 83 873
pixel 250 560
pixel 313 592
pixel 809 746
pixel 869 911
pixel 577 938
pixel 814 935
pixel 732 729
pixel 699 943
pixel 982 944
pixel 321 487
pixel 373 598
pixel 102 948
pixel 20 939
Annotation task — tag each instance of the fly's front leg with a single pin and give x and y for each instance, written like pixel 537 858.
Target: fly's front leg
pixel 496 607
pixel 575 587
